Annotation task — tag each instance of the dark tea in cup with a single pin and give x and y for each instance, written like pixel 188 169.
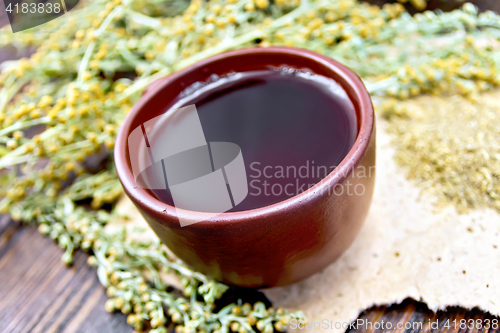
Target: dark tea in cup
pixel 293 128
pixel 238 139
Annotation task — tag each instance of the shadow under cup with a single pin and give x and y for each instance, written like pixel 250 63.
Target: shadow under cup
pixel 259 240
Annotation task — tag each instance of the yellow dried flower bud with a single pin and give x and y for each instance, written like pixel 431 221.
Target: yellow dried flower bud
pixel 92 261
pixel 208 31
pixel 149 55
pixel 193 8
pixel 11 144
pixel 249 7
pixel 36 113
pixel 29 147
pixel 315 23
pixel 86 76
pixel 216 9
pixel 94 64
pixel 231 19
pixel 18 135
pixel 262 4
pixel 210 18
pixel 80 34
pixel 267 21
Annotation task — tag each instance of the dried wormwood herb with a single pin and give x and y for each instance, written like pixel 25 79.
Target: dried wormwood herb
pixel 91 66
pixel 451 144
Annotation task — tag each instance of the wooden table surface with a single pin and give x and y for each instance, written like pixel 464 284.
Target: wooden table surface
pixel 38 293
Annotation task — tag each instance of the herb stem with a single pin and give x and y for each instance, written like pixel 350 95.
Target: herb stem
pixel 25 124
pixel 90 49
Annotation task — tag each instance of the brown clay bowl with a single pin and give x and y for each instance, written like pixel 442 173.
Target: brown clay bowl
pixel 274 245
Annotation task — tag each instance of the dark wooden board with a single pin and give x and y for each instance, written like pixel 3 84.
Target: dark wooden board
pixel 446 5
pixel 38 293
pixel 419 319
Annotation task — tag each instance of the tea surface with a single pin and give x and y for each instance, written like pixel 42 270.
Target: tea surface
pixel 292 128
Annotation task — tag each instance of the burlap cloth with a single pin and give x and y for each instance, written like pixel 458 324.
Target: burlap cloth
pixel 407 248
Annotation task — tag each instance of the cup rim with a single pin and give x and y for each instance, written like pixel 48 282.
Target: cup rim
pixel 149 203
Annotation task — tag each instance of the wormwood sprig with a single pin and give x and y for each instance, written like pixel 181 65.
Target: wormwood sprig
pixel 132 270
pixel 91 65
